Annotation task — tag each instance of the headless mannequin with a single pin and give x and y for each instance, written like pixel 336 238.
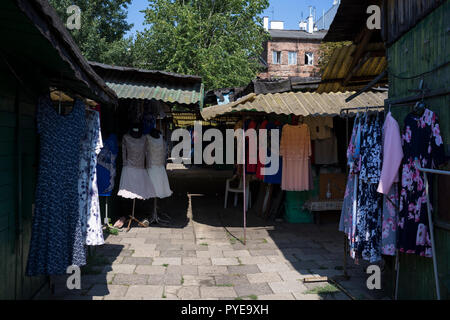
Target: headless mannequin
pixel 155 133
pixel 135 132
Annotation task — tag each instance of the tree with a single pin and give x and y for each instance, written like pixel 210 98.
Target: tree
pixel 220 40
pixel 103 28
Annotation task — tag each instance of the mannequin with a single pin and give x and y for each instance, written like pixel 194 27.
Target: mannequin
pixel 136 130
pixel 134 183
pixel 156 170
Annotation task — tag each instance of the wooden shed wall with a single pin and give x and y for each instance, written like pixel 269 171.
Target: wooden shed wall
pixel 425 47
pixel 18 170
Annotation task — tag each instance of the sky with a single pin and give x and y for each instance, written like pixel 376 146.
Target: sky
pixel 289 11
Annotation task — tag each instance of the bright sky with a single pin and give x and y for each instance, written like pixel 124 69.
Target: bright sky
pixel 289 11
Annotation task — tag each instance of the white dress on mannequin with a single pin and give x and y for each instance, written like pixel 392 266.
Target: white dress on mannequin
pixel 156 167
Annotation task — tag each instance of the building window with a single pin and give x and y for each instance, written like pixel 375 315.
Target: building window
pixel 292 58
pixel 276 58
pixel 309 58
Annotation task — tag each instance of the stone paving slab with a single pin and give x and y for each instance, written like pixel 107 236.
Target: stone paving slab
pixel 287 286
pixel 137 260
pixel 189 293
pixel 130 279
pixel 158 261
pixel 224 261
pixel 263 277
pixel 183 270
pixel 212 270
pixel 145 291
pixel 273 267
pixel 152 270
pixel 217 292
pixel 233 280
pixel 279 296
pixel 165 279
pixel 255 289
pixel 243 269
pixel 200 280
pixel 196 261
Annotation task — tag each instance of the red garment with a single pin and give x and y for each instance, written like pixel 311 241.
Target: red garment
pixel 260 165
pixel 251 168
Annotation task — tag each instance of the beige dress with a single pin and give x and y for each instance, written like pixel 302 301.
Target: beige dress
pixel 295 149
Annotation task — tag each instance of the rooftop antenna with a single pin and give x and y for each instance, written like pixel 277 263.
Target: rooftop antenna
pixel 273 13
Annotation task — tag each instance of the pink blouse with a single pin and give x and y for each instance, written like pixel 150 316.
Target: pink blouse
pixel 392 154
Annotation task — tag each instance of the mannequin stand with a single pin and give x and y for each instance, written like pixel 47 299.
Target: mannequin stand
pixel 155 219
pixel 134 219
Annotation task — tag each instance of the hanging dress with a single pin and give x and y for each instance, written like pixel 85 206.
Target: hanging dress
pixel 134 183
pixel 275 178
pixel 368 213
pixel 345 221
pixel 392 158
pixel 56 240
pixel 106 166
pixel 422 140
pixel 87 182
pixel 260 165
pixel 156 167
pixel 295 148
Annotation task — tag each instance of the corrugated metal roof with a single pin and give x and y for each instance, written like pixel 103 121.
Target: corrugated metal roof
pixel 161 92
pixel 339 66
pixel 131 83
pixel 297 103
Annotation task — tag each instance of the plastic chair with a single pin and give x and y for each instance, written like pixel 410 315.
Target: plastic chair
pixel 237 190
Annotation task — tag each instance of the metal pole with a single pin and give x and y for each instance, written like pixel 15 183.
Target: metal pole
pixel 243 176
pixel 430 226
pixel 430 221
pixel 397 270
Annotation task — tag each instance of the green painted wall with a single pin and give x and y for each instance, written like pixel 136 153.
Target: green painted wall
pixel 424 48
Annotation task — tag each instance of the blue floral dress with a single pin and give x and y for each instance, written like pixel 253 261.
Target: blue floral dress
pixel 422 140
pixel 56 240
pixel 369 206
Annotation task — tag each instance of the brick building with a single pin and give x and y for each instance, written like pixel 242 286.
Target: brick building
pixel 295 53
pixel 292 53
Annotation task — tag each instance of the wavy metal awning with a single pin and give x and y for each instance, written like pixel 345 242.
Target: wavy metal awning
pixel 141 84
pixel 343 74
pixel 297 103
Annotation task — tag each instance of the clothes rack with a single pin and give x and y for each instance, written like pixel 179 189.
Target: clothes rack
pixel 430 220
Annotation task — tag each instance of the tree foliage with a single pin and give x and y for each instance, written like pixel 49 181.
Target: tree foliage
pixel 103 28
pixel 220 40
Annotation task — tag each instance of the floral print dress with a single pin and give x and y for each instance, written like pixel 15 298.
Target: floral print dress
pixel 87 183
pixel 422 141
pixel 369 214
pixel 56 240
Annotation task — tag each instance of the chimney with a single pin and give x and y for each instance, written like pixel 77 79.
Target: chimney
pixel 310 22
pixel 266 23
pixel 303 25
pixel 277 25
